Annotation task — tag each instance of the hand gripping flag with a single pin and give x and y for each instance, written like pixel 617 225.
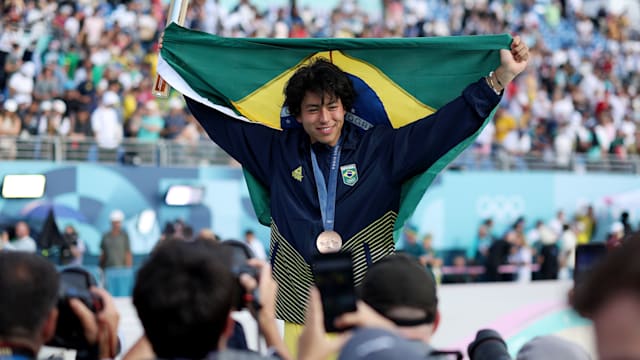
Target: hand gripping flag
pixel 398 80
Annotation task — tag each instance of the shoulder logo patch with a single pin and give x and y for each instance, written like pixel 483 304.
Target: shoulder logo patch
pixel 297 173
pixel 349 174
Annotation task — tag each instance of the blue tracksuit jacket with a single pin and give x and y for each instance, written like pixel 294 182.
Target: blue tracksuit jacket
pixel 365 211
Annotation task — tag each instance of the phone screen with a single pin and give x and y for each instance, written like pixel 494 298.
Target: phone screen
pixel 587 256
pixel 334 278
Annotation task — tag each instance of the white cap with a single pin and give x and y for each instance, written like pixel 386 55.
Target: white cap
pixel 110 98
pixel 28 69
pixel 617 227
pixel 11 105
pixel 116 215
pixel 59 106
pixel 151 105
pixel 45 105
pixel 175 103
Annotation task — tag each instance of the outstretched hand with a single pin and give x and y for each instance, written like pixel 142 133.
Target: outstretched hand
pixel 512 62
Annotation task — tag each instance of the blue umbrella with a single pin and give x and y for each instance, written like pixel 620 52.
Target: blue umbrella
pixel 40 210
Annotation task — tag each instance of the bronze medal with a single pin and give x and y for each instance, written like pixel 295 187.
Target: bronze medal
pixel 328 242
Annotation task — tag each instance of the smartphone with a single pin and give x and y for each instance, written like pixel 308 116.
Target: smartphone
pixel 333 275
pixel 587 256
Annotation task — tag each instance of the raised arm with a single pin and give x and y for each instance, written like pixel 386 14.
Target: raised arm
pixel 250 144
pixel 417 146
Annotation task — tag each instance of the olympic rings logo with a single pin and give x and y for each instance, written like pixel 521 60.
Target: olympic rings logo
pixel 500 207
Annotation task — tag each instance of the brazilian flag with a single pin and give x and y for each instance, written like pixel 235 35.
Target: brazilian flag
pixel 398 80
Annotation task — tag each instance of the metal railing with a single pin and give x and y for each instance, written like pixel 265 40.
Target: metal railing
pixel 165 152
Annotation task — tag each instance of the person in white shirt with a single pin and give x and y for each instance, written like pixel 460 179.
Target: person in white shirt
pixel 22 242
pixel 255 244
pixel 106 123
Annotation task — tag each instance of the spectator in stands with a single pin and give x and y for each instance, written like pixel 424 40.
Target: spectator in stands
pixel 10 126
pixel 23 241
pixel 483 240
pixel 624 219
pixel 610 297
pixel 589 225
pixel 4 239
pixel 151 123
pixel 73 250
pixel 107 127
pixel 411 245
pixel 198 323
pixel 59 122
pixel 176 120
pixel 521 256
pixel 28 317
pixel 616 235
pixel 115 247
pixel 47 86
pixel 567 255
pixel 21 83
pixel 255 244
pixel 557 223
pixel 430 257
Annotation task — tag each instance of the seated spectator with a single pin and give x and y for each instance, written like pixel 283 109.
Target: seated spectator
pixel 29 316
pixel 197 324
pixel 609 295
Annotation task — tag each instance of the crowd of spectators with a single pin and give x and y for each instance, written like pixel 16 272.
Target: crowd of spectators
pixel 83 70
pixel 543 249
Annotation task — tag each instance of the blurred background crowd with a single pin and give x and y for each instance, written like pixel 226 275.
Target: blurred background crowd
pixel 82 71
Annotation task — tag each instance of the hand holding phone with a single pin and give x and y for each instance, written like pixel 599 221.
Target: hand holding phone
pixel 333 273
pixel 587 256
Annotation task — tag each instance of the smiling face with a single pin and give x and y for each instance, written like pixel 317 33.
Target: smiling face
pixel 322 117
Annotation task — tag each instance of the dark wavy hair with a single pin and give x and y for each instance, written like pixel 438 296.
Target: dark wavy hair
pixel 320 77
pixel 183 295
pixel 28 292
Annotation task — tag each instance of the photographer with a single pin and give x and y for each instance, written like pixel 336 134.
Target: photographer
pixel 184 295
pixel 30 286
pixel 73 248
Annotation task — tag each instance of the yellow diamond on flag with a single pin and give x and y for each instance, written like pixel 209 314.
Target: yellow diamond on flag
pixel 265 104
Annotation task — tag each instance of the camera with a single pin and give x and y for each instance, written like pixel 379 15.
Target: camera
pixel 69 240
pixel 75 283
pixel 240 253
pixel 488 345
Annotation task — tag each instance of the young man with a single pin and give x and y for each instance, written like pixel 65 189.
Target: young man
pixel 314 212
pixel 184 295
pixel 29 285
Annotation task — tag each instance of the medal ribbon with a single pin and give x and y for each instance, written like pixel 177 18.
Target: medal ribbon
pixel 327 194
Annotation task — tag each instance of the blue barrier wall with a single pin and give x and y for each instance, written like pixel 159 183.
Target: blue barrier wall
pixel 85 194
